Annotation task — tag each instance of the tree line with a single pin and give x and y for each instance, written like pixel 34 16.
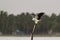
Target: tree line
pixel 23 22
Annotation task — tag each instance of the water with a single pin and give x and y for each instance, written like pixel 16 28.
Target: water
pixel 28 38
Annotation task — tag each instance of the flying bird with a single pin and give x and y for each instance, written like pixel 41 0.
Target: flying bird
pixel 36 18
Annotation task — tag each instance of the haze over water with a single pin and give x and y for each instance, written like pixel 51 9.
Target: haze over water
pixel 28 38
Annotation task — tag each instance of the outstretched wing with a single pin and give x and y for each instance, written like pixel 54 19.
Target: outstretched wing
pixel 39 15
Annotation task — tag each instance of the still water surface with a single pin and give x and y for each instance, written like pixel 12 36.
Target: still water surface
pixel 28 38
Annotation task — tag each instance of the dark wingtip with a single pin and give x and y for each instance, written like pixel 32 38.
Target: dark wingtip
pixel 40 14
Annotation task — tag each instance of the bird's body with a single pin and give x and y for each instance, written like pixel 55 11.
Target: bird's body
pixel 37 17
pixel 35 20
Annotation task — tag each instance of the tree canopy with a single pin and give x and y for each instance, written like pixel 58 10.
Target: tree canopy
pixel 23 22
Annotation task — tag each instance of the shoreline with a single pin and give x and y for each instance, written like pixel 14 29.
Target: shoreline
pixel 39 35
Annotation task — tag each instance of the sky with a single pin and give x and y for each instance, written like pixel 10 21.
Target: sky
pixel 35 6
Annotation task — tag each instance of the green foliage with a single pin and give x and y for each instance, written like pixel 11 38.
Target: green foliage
pixel 23 22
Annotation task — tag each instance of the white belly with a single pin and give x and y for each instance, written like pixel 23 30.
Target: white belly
pixel 35 20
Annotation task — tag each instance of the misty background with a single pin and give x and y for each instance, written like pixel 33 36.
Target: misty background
pixel 36 6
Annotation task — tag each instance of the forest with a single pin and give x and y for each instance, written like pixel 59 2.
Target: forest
pixel 22 23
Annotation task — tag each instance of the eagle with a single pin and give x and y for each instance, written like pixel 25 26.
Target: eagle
pixel 36 18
